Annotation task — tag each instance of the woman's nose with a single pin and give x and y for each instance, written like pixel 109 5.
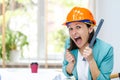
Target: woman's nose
pixel 74 32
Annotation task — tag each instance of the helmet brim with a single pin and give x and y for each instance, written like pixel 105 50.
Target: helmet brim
pixel 86 21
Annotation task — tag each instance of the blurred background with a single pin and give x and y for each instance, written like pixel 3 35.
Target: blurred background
pixel 34 31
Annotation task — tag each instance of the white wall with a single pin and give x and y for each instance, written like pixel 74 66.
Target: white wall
pixel 110 31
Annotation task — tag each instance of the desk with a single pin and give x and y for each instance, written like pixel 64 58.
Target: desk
pixel 25 74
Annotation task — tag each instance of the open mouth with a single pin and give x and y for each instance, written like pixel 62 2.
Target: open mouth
pixel 78 40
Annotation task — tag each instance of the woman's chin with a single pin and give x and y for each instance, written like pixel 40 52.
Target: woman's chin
pixel 79 45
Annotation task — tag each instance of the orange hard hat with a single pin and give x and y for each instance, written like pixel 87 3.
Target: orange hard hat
pixel 80 14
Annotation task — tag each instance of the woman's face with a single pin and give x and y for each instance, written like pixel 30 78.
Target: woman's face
pixel 79 33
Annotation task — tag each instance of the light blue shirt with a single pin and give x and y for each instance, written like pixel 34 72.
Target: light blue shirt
pixel 103 55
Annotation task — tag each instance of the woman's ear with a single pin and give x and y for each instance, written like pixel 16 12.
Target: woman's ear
pixel 91 29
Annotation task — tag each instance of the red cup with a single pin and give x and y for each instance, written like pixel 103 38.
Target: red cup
pixel 34 67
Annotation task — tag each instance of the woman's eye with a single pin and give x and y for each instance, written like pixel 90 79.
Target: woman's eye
pixel 78 27
pixel 70 29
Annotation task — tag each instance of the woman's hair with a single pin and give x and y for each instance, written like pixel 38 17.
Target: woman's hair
pixel 74 46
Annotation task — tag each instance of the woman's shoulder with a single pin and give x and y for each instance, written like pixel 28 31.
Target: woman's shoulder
pixel 103 50
pixel 102 44
pixel 102 47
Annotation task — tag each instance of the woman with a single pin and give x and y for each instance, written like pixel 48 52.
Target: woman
pixel 98 63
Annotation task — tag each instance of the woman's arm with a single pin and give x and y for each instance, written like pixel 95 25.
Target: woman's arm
pixel 94 69
pixel 105 66
pixel 70 67
pixel 69 58
pixel 87 53
pixel 68 62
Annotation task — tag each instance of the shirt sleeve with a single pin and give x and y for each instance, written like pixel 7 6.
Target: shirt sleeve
pixel 106 66
pixel 65 63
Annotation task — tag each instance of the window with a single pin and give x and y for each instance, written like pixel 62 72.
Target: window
pixel 41 21
pixel 21 15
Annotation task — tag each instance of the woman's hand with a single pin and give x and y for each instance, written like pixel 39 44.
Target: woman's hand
pixel 87 54
pixel 69 57
pixel 71 61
